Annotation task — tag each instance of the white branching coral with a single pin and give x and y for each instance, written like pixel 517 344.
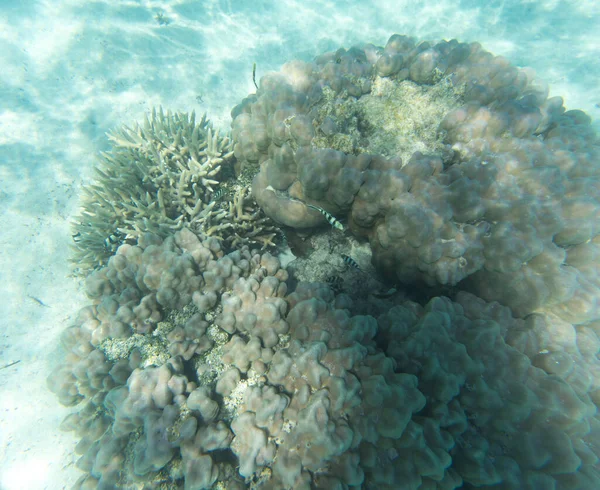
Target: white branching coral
pixel 158 177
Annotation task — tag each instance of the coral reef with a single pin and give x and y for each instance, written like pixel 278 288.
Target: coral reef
pixel 509 423
pixel 453 163
pixel 202 363
pixel 168 173
pixel 250 385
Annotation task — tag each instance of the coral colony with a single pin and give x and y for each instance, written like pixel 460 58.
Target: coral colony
pixel 446 335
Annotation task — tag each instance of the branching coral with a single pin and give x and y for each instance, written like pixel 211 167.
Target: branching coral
pixel 159 177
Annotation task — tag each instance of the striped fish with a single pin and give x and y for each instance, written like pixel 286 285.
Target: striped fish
pixel 335 282
pixel 218 194
pixel 332 220
pixel 350 261
pixel 113 241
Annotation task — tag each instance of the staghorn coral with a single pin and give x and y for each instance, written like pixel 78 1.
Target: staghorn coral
pixel 240 221
pixel 158 177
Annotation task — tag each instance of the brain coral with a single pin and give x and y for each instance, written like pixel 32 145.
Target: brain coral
pixel 195 367
pixel 455 165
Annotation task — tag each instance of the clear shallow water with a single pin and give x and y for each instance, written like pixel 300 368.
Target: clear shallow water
pixel 74 70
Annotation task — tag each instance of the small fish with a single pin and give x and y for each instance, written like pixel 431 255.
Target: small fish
pixel 113 241
pixel 385 294
pixel 335 282
pixel 332 220
pixel 38 301
pixel 254 75
pixel 218 194
pixel 350 261
pixel 10 364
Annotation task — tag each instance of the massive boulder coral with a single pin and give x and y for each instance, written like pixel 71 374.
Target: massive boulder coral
pixel 513 424
pixel 455 165
pixel 197 368
pixel 129 353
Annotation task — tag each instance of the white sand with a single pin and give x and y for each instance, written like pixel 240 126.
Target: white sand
pixel 72 70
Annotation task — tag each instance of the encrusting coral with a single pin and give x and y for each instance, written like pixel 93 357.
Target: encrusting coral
pixel 195 367
pixel 161 176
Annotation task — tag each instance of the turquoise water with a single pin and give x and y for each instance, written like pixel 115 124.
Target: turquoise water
pixel 73 71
